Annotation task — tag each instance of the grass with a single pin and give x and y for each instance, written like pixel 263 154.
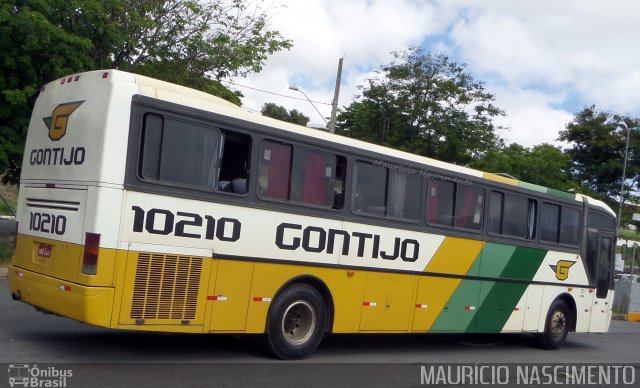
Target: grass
pixel 629 235
pixel 6 250
pixel 10 193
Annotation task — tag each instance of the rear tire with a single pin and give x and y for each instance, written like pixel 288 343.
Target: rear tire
pixel 556 327
pixel 296 322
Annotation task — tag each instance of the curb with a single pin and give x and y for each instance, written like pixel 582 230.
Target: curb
pixel 631 317
pixel 3 271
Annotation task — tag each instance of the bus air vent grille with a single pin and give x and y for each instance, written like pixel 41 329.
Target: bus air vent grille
pixel 166 287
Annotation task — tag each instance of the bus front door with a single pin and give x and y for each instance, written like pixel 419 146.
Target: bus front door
pixel 601 307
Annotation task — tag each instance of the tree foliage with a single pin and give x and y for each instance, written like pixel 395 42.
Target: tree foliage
pixel 189 42
pixel 424 104
pixel 544 165
pixel 34 51
pixel 280 112
pixel 597 152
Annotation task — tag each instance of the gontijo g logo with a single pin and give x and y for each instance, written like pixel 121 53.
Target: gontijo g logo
pixel 57 122
pixel 562 269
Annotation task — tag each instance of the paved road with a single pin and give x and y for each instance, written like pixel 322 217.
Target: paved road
pixel 27 336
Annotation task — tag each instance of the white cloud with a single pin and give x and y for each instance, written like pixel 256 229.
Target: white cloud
pixel 543 60
pixel 365 32
pixel 584 48
pixel 531 119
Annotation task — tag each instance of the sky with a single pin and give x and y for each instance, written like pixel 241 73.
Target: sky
pixel 543 60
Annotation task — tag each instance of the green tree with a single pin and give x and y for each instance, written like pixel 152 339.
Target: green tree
pixel 544 165
pixel 297 117
pixel 34 51
pixel 280 112
pixel 597 152
pixel 424 104
pixel 192 43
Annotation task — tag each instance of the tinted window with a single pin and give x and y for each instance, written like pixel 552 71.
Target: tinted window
pixel 495 212
pixel 512 215
pixel 514 219
pixel 312 177
pixel 441 202
pixel 600 221
pixel 386 192
pixel 549 222
pixel 403 195
pixel 570 226
pixel 469 206
pixel 604 270
pixel 274 170
pixel 296 174
pixel 180 151
pixel 454 204
pixel 592 254
pixel 370 189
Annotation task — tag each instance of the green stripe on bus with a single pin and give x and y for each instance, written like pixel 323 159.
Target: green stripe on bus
pixel 498 305
pixel 546 190
pixel 531 186
pixel 494 258
pixel 498 299
pixel 561 194
pixel 487 305
pixel 524 263
pixel 460 310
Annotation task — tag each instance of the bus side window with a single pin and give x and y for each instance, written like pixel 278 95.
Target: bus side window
pixel 179 151
pixel 234 163
pixel 385 192
pixel 370 189
pixel 441 202
pixel 455 205
pixel 512 215
pixel 274 170
pixel 550 222
pixel 570 226
pixel 338 183
pixel 312 177
pixel 298 174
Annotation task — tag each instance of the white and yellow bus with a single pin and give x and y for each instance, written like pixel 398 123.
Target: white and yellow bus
pixel 149 206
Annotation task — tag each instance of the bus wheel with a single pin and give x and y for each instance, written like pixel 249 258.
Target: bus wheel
pixel 556 326
pixel 296 322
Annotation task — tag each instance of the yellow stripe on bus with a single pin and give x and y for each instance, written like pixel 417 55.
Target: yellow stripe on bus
pixel 501 179
pixel 455 256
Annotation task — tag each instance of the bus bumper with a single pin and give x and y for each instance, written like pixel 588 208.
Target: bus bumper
pixel 92 305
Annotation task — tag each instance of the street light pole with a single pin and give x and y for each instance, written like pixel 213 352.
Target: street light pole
pixel 336 94
pixel 622 124
pixel 297 89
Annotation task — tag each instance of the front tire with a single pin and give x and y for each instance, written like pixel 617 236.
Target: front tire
pixel 556 326
pixel 296 321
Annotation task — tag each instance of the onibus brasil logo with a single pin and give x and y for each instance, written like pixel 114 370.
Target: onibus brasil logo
pixel 562 269
pixel 57 122
pixel 25 375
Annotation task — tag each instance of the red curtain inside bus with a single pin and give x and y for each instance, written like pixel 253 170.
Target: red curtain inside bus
pixel 279 167
pixel 315 183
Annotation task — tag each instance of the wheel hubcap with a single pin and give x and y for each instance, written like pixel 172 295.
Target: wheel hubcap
pixel 558 325
pixel 299 322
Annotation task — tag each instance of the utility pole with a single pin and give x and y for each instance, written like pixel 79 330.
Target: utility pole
pixel 336 94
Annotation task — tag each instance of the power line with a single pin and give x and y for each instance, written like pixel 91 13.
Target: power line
pixel 275 94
